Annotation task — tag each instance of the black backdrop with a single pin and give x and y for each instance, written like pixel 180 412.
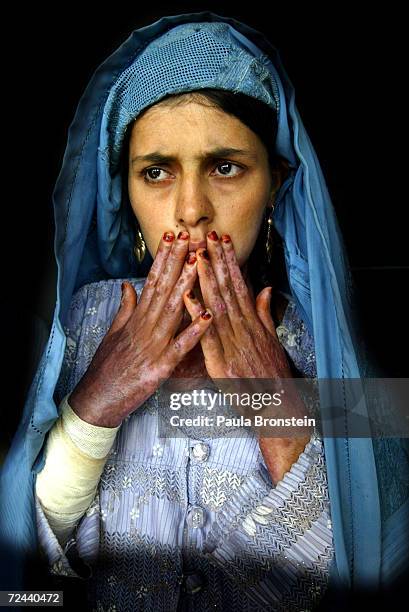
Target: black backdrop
pixel 346 67
pixel 346 72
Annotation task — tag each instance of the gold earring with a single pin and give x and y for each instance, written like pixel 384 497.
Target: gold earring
pixel 140 246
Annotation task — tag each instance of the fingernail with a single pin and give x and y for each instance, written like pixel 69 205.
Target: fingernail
pixel 183 235
pixel 205 314
pixel 213 235
pixel 191 295
pixel 168 237
pixel 205 255
pixel 225 238
pixel 190 258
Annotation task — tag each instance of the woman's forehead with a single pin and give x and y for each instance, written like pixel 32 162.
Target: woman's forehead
pixel 193 123
pixel 182 108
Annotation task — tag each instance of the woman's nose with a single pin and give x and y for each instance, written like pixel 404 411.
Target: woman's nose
pixel 193 205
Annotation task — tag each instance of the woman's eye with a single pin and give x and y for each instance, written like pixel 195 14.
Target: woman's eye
pixel 157 175
pixel 153 175
pixel 226 167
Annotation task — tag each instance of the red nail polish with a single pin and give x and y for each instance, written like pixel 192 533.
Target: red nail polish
pixel 168 237
pixel 183 235
pixel 205 314
pixel 205 255
pixel 191 295
pixel 226 238
pixel 213 235
pixel 190 258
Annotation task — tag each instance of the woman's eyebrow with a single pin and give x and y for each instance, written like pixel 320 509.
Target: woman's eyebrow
pixel 157 157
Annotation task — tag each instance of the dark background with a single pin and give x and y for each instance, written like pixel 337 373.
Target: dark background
pixel 346 72
pixel 347 69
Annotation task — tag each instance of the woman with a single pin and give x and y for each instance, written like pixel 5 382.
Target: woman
pixel 194 522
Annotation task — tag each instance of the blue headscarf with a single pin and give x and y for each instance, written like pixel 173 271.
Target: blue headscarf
pixel 94 239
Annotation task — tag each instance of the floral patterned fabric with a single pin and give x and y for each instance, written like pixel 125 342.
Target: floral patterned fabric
pixel 190 522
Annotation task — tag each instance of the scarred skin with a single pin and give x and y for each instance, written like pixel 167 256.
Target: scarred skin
pixel 139 350
pixel 196 189
pixel 242 341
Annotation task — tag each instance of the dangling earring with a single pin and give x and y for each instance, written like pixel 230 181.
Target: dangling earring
pixel 140 246
pixel 269 234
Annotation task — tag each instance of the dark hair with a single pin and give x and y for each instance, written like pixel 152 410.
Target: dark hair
pixel 262 120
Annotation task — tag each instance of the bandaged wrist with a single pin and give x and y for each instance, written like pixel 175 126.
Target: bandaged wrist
pixel 92 440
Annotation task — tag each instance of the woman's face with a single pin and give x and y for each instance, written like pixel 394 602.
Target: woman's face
pixel 193 167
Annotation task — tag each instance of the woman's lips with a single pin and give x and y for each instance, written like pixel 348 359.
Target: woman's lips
pixel 193 245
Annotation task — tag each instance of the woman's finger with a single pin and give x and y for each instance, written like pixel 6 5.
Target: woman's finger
pixel 128 304
pixel 241 290
pixel 211 344
pixel 165 284
pixel 212 297
pixel 187 339
pixel 234 290
pixel 263 302
pixel 224 281
pixel 164 248
pixel 172 313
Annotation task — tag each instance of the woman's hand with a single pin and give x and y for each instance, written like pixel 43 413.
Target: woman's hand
pixel 242 342
pixel 139 350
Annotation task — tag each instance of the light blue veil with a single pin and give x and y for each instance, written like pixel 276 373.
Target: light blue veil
pixel 94 239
